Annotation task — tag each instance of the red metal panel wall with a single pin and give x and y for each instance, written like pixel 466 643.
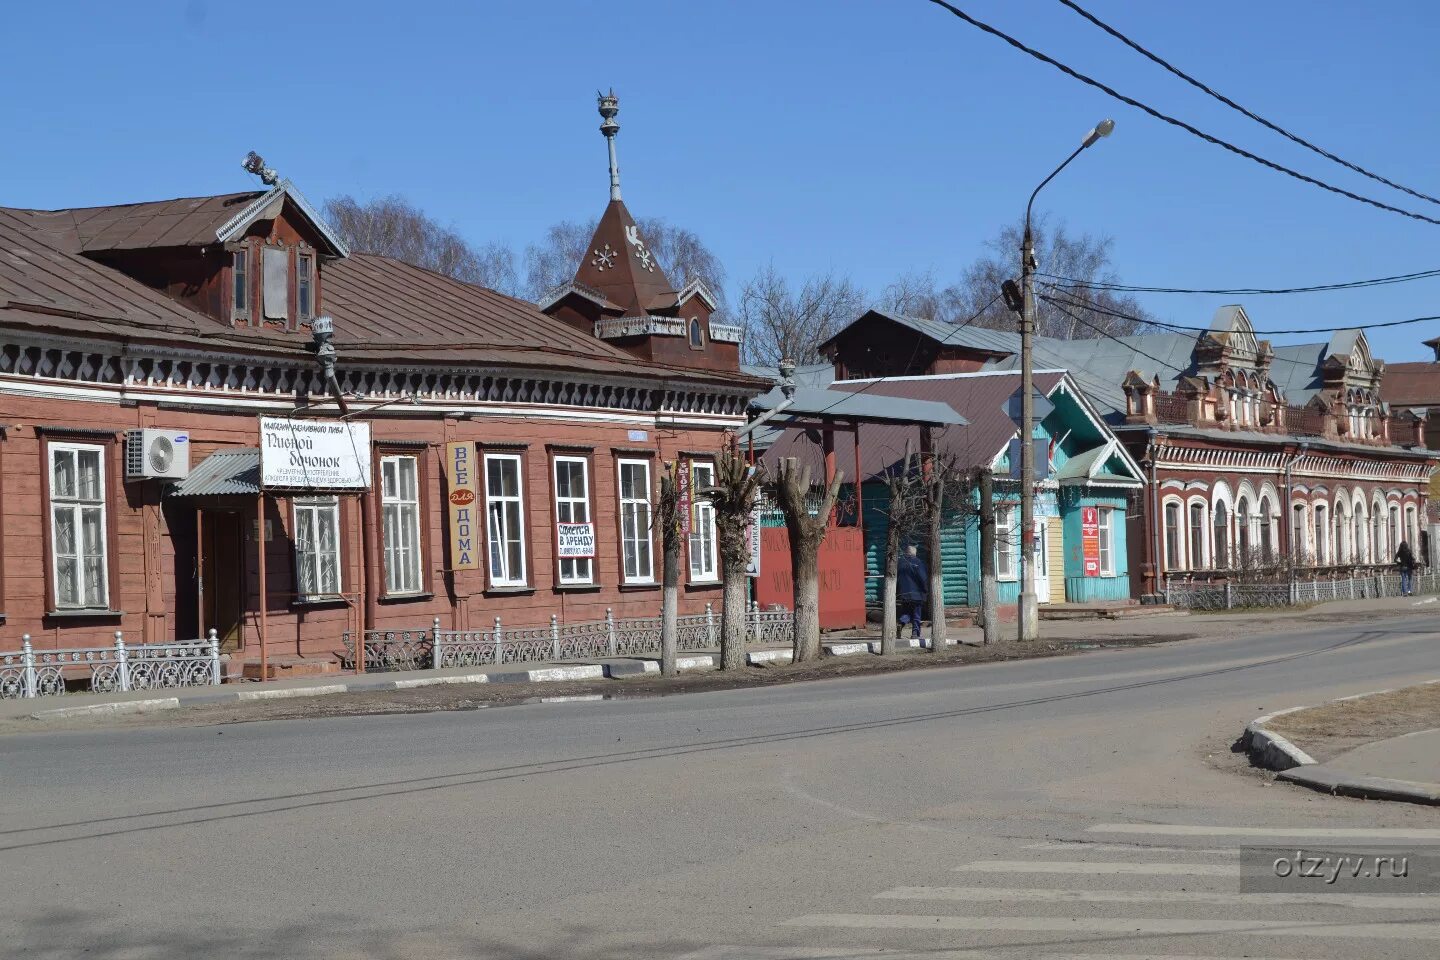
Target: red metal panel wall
pixel 842 575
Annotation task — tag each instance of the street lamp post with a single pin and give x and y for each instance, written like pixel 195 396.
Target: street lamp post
pixel 1029 612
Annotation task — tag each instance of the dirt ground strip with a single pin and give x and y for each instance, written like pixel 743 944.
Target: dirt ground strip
pixel 474 696
pixel 1331 729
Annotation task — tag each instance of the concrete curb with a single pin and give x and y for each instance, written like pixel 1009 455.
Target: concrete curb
pixel 285 693
pixel 1271 751
pixel 109 709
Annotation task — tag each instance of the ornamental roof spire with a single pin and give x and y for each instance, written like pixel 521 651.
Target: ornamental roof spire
pixel 609 105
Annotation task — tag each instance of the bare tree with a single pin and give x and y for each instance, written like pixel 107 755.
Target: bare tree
pixel 1060 254
pixel 947 501
pixel 905 515
pixel 668 517
pixel 807 532
pixel 394 227
pixel 733 497
pixel 680 252
pixel 782 320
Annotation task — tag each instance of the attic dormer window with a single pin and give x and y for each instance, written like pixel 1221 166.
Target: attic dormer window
pixel 697 334
pixel 240 268
pixel 305 286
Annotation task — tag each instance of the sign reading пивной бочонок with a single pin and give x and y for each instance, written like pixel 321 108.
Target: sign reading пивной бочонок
pixel 314 454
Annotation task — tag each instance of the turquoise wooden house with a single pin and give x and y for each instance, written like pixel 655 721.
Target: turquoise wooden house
pixel 1083 505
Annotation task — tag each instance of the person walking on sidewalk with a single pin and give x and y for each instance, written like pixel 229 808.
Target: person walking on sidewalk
pixel 912 585
pixel 1405 559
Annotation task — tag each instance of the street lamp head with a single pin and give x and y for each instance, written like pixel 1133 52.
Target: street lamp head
pixel 322 326
pixel 1101 129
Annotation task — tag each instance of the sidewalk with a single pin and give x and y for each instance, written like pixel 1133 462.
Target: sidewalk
pixel 1380 746
pixel 1072 633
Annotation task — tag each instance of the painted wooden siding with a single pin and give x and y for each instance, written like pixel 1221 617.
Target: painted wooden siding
pixel 954 563
pixel 1056 531
pixel 1078 587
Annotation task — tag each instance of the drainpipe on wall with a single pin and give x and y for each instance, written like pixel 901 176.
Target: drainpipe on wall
pixel 1288 509
pixel 1156 548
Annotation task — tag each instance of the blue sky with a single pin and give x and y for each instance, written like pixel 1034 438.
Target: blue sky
pixel 871 137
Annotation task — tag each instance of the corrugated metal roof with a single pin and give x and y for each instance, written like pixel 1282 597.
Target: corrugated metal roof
pixel 224 473
pixel 869 407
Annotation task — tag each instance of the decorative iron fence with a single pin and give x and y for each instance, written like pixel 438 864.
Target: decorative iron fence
pixel 150 666
pixel 420 649
pixel 1199 595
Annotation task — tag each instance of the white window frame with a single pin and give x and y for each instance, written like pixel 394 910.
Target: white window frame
pixel 305 557
pixel 404 559
pixel 1006 567
pixel 1320 523
pixel 630 509
pixel 1105 529
pixel 240 284
pixel 702 543
pixel 1201 562
pixel 1175 538
pixel 582 570
pixel 305 276
pixel 77 506
pixel 1300 532
pixel 505 577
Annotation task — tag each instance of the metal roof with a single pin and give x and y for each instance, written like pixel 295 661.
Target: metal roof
pixel 224 473
pixel 865 407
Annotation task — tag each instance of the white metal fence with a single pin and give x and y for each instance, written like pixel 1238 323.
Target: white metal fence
pixel 1197 595
pixel 424 648
pixel 149 666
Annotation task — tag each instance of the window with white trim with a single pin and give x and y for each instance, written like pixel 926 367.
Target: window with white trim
pixel 317 546
pixel 1221 550
pixel 1005 542
pixel 637 560
pixel 1105 526
pixel 305 285
pixel 400 518
pixel 572 505
pixel 77 526
pixel 703 565
pixel 1197 536
pixel 1298 526
pixel 1322 538
pixel 505 508
pixel 1174 541
pixel 240 271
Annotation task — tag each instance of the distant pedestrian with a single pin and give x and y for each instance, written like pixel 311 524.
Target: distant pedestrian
pixel 1405 559
pixel 913 584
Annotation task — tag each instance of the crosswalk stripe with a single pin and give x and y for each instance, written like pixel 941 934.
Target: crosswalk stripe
pixel 1270 833
pixel 741 952
pixel 1125 926
pixel 1103 866
pixel 1036 894
pixel 1081 846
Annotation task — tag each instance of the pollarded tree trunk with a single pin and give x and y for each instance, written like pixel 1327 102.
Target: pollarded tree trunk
pixel 669 521
pixel 937 574
pixel 806 534
pixel 889 623
pixel 737 485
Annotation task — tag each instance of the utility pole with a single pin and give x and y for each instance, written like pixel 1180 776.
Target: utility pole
pixel 1029 602
pixel 989 599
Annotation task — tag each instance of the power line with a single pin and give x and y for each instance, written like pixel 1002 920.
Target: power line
pixel 1188 128
pixel 1244 291
pixel 1149 356
pixel 1259 333
pixel 1154 58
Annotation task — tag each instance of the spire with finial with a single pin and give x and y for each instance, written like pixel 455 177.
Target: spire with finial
pixel 609 106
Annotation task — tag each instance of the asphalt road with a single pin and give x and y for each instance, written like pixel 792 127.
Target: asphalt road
pixel 1085 806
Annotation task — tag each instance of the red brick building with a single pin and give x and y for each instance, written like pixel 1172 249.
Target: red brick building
pixel 197 317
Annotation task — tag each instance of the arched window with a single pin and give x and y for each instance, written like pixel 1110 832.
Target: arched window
pixel 1267 530
pixel 1342 533
pixel 1222 536
pixel 1396 533
pixel 1174 535
pixel 1197 535
pixel 1359 539
pixel 1412 529
pixel 697 334
pixel 1322 534
pixel 1298 528
pixel 1243 540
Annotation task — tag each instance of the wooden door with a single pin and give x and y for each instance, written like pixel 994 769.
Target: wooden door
pixel 222 576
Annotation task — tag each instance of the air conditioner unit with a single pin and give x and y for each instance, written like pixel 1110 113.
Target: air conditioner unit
pixel 157 453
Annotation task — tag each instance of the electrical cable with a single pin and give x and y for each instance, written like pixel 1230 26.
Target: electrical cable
pixel 1154 58
pixel 1259 333
pixel 1244 291
pixel 1188 128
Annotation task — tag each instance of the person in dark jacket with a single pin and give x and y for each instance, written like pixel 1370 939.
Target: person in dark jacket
pixel 1405 560
pixel 912 585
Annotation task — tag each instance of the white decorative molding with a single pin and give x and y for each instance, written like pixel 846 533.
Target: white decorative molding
pixel 727 332
pixel 648 325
